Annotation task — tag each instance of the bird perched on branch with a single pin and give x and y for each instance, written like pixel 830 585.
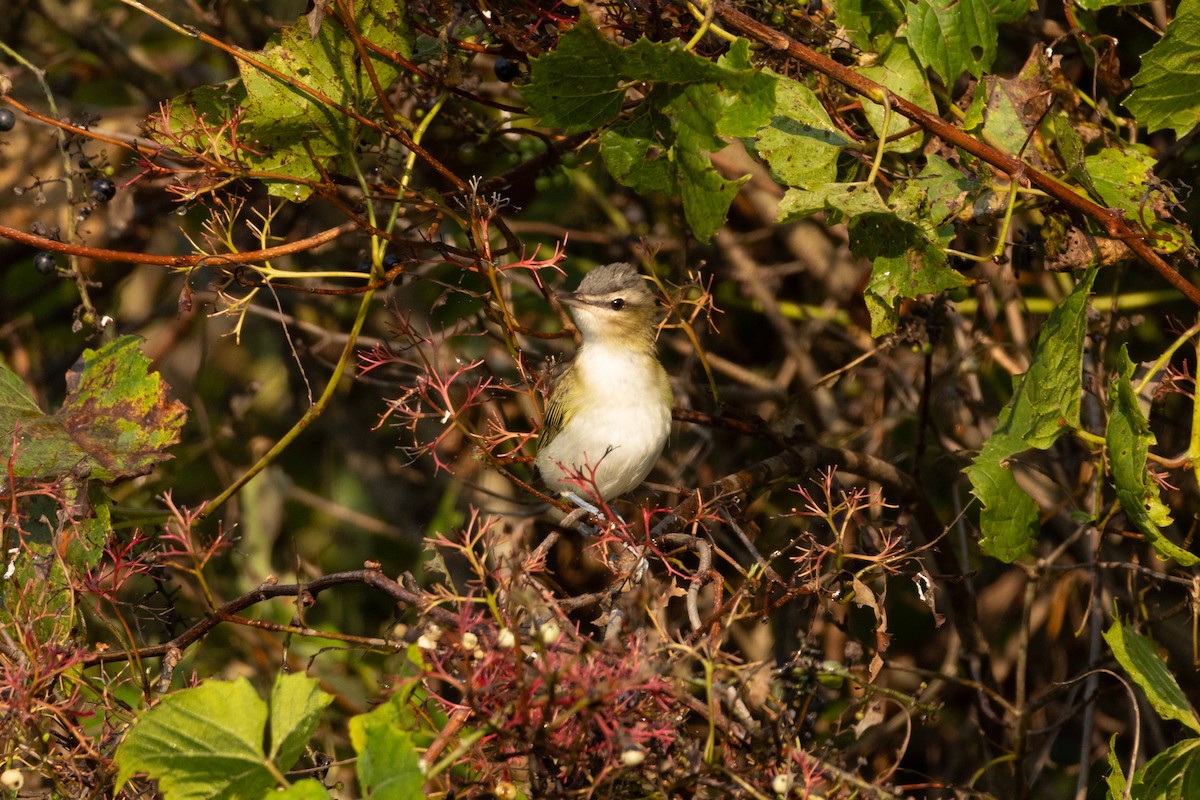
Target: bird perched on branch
pixel 610 410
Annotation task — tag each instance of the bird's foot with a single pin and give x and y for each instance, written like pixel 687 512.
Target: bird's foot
pixel 583 509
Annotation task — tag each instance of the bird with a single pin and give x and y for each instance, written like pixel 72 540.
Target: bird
pixel 609 412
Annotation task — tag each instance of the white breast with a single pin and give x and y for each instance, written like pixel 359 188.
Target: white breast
pixel 621 429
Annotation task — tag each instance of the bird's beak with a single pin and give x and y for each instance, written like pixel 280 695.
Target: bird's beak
pixel 573 299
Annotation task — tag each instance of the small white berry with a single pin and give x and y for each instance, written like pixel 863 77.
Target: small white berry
pixel 549 632
pixel 12 780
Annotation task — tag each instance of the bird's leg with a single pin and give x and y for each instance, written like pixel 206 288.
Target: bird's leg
pixel 583 508
pixel 581 504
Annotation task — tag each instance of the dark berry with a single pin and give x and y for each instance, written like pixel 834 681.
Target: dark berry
pixel 507 71
pixel 390 261
pixel 7 119
pixel 44 263
pixel 103 189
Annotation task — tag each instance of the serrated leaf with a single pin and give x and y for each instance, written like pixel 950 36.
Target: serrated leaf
pixel 846 199
pixel 901 236
pixel 800 143
pixel 582 83
pixel 920 270
pixel 1009 10
pixel 115 423
pixel 1125 179
pixel 1138 657
pixel 899 71
pixel 953 36
pixel 1045 404
pixel 207 742
pixel 662 148
pixel 290 118
pixel 1173 774
pixel 1116 773
pixel 869 24
pixel 1070 148
pixel 388 764
pixel 195 118
pixel 296 706
pixel 751 106
pixel 1164 89
pixel 204 743
pixel 1128 439
pixel 688 105
pixel 947 189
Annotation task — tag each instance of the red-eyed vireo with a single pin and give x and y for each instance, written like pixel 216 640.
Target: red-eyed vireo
pixel 610 410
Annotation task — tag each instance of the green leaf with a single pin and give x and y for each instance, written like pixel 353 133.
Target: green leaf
pixel 1164 93
pixel 1129 439
pixel 902 236
pixel 846 200
pixel 1138 656
pixel 207 741
pixel 1096 5
pixel 800 144
pixel 921 269
pixel 296 707
pixel 295 117
pixel 1070 148
pixel 1116 773
pixel 115 423
pixel 953 36
pixel 908 252
pixel 307 789
pixel 750 107
pixel 1010 10
pixel 869 24
pixel 204 743
pixel 901 74
pixel 1171 775
pixel 388 765
pixel 688 105
pixel 1125 179
pixel 663 148
pixel 947 190
pixel 582 83
pixel 194 119
pixel 1045 403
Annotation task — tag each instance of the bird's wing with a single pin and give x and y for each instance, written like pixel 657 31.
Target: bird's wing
pixel 559 409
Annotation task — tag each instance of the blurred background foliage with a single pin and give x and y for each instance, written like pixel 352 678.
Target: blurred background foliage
pixel 774 311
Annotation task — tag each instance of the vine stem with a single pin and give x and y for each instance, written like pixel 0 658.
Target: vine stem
pixel 313 412
pixel 1113 222
pixel 68 215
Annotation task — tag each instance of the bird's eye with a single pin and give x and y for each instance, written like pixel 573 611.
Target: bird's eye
pixel 617 304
